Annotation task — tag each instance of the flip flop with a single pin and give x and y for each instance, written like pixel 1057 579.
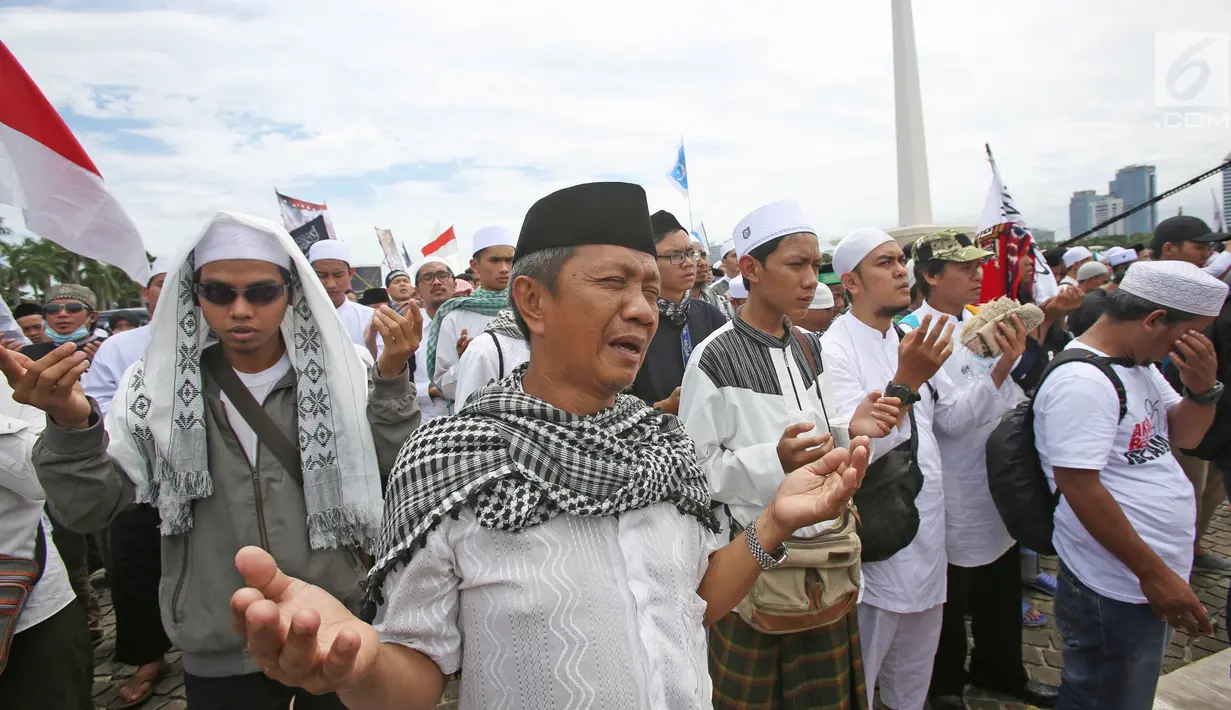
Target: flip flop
pixel 1032 624
pixel 1044 583
pixel 148 683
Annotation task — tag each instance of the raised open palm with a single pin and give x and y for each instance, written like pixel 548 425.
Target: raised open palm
pixel 298 633
pixel 820 490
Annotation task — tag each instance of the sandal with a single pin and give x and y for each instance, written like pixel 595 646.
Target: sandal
pixel 1044 583
pixel 146 684
pixel 1029 623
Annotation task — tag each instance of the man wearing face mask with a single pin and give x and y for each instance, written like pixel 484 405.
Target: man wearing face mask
pixel 70 311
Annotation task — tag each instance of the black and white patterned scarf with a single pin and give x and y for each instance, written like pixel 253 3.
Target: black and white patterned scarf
pixel 518 462
pixel 675 312
pixel 505 324
pixel 157 420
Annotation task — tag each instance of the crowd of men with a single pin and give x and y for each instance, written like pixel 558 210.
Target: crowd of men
pixel 609 476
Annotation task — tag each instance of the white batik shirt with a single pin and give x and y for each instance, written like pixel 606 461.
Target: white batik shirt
pixel 114 357
pixel 578 612
pixel 451 329
pixel 740 391
pixel 858 359
pixel 975 534
pixel 430 407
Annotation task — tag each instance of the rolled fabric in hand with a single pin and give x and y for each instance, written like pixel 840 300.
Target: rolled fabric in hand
pixel 979 334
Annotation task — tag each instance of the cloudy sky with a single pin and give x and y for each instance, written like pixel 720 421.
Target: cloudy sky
pixel 402 115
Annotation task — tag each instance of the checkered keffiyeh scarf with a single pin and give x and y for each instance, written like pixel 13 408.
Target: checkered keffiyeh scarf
pixel 518 462
pixel 505 324
pixel 481 301
pixel 157 421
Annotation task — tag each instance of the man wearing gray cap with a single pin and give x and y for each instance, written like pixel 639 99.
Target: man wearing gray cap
pixel 1091 275
pixel 70 311
pixel 1124 526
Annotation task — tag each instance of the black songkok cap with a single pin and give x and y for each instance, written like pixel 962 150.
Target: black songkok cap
pixel 664 223
pixel 615 213
pixel 24 309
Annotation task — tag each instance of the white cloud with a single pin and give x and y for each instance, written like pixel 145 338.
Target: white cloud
pixel 776 99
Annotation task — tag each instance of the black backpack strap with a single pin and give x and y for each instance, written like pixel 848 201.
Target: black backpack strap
pixel 1104 364
pixel 267 430
pixel 40 551
pixel 499 356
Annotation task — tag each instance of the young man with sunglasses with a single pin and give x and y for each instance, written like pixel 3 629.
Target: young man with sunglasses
pixel 183 433
pixel 70 311
pixel 683 321
pixel 331 261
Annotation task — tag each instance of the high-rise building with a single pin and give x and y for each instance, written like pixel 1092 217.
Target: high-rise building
pixel 1104 208
pixel 1079 211
pixel 1226 194
pixel 1135 184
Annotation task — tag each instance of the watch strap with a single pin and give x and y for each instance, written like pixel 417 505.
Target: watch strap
pixel 763 558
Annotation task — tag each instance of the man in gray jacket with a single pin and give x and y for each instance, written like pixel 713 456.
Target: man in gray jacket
pixel 201 432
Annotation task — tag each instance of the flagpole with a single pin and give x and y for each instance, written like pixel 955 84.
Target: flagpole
pixel 687 193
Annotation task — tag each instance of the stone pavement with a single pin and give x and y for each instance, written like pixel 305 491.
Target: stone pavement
pixel 1042 645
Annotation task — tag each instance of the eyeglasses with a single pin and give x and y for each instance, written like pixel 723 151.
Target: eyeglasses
pixel 53 308
pixel 225 294
pixel 441 276
pixel 677 259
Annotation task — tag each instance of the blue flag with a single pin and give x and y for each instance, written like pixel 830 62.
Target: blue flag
pixel 699 235
pixel 679 172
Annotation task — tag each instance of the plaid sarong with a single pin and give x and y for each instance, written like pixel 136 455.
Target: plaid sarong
pixel 821 669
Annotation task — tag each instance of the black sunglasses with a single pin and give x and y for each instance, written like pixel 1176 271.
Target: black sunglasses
pixel 225 294
pixel 53 308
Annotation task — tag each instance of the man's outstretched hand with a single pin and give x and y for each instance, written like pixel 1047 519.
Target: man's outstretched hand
pixel 298 634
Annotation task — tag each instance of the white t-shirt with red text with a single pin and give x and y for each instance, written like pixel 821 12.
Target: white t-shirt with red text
pixel 1075 426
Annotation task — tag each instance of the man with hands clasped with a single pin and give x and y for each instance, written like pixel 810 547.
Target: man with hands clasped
pixel 901 610
pixel 209 433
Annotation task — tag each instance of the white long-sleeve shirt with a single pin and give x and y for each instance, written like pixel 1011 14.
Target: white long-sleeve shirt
pixel 975 534
pixel 113 358
pixel 740 391
pixel 859 358
pixel 480 364
pixel 356 317
pixel 430 407
pixel 451 327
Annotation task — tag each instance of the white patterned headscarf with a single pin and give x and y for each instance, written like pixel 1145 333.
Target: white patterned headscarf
pixel 157 421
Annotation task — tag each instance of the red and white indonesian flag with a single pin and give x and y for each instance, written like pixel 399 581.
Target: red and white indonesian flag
pixel 297 213
pixel 46 173
pixel 444 247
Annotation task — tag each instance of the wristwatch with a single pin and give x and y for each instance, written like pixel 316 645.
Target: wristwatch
pixel 1212 396
pixel 763 558
pixel 902 392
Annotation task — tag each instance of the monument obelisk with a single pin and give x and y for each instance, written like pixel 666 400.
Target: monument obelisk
pixel 914 194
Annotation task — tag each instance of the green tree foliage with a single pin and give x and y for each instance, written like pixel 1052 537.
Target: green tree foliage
pixel 28 267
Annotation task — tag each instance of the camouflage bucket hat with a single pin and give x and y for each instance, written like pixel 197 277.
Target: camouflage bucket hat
pixel 948 246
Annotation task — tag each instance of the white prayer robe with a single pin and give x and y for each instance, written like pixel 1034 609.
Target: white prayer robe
pixel 577 612
pixel 480 364
pixel 451 329
pixel 114 357
pixel 430 407
pixel 737 422
pixel 975 534
pixel 858 358
pixel 356 317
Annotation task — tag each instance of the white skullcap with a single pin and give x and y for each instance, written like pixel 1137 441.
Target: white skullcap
pixel 228 239
pixel 728 247
pixel 328 249
pixel 1218 264
pixel 161 265
pixel 739 289
pixel 1176 284
pixel 910 272
pixel 493 237
pixel 855 246
pixel 431 260
pixel 1090 270
pixel 1123 256
pixel 765 224
pixel 1076 254
pixel 822 299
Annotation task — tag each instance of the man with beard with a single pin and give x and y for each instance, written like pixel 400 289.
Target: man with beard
pixel 330 260
pixel 182 434
pixel 553 540
pixel 701 284
pixel 901 610
pixel 683 322
pixel 462 319
pixel 984 564
pixel 435 284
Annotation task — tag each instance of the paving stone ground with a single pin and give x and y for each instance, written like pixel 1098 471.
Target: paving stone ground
pixel 1041 645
